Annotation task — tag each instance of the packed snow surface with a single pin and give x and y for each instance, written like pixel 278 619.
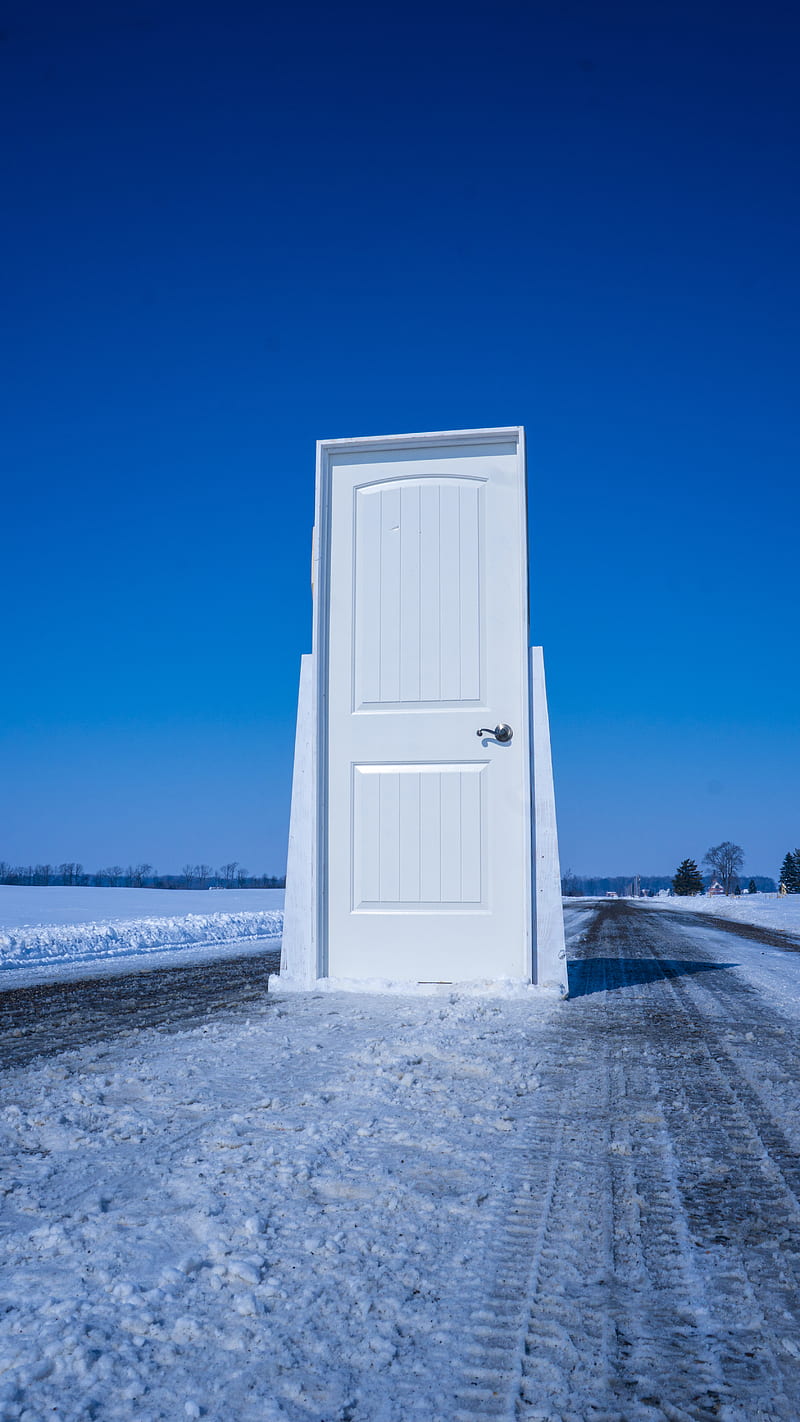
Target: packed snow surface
pixel 47 933
pixel 344 1208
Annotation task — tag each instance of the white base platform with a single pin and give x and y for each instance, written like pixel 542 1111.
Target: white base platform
pixel 474 987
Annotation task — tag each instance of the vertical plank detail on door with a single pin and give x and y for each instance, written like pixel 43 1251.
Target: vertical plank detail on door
pixel 431 635
pixel 449 591
pixel 409 820
pixel 470 505
pixel 417 592
pixel 390 593
pixel 410 613
pixel 430 835
pixel 367 610
pixel 419 836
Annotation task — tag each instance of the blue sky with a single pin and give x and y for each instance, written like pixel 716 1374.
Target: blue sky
pixel 232 230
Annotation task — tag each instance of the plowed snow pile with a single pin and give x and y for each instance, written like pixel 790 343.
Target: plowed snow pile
pixel 54 929
pixel 779 913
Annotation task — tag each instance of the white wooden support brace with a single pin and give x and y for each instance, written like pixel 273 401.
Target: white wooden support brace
pixel 550 962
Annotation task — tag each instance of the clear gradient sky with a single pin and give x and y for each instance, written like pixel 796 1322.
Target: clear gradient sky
pixel 232 229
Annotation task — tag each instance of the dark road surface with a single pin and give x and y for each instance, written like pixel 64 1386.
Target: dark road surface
pixel 58 1017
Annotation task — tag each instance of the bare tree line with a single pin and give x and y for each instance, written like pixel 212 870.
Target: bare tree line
pixel 722 866
pixel 137 876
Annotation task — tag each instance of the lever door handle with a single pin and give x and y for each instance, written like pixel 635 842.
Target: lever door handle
pixel 501 733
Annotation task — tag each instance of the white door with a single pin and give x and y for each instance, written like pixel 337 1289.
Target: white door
pixel 423 633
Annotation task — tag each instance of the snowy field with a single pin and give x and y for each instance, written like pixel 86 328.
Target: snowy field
pixel 47 934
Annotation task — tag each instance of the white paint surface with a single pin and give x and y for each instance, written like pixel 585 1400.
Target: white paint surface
pixel 550 958
pixel 298 949
pixel 423 640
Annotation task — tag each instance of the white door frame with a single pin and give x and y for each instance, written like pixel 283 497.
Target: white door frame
pixel 326 450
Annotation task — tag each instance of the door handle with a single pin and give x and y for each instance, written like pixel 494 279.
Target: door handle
pixel 501 733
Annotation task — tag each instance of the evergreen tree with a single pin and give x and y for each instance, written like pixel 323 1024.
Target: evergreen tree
pixel 688 879
pixel 790 873
pixel 752 887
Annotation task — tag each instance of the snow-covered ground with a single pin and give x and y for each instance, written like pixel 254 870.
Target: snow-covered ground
pixel 283 1219
pixel 353 1208
pixel 21 906
pixel 773 972
pixel 52 933
pixel 782 914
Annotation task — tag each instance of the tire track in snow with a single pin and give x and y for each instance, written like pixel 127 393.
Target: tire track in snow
pixel 522 1225
pixel 732 1166
pixel 740 1184
pixel 652 1288
pixel 527 1338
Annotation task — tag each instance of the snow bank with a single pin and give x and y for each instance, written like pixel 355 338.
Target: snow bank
pixel 39 945
pixel 47 943
pixel 782 915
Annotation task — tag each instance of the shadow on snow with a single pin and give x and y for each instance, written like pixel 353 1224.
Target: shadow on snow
pixel 589 975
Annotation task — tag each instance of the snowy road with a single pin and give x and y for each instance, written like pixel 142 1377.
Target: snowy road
pixel 669 1277
pixel 57 1017
pixel 352 1209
